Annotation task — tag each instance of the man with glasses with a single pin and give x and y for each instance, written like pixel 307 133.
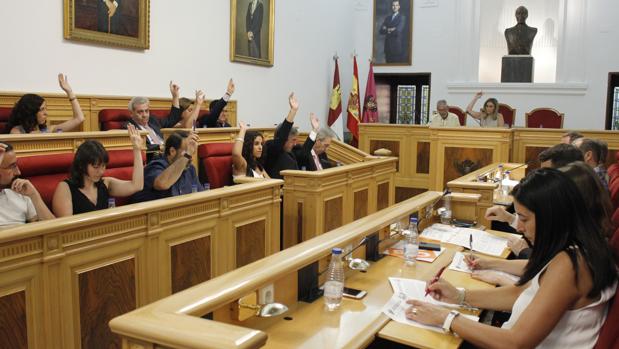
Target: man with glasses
pixel 19 199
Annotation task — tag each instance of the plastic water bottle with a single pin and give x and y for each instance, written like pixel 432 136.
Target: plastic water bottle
pixel 498 176
pixel 206 186
pixel 194 188
pixel 446 214
pixel 505 184
pixel 334 287
pixel 111 203
pixel 411 249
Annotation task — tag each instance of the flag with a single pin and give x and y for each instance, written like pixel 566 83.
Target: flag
pixel 370 112
pixel 335 105
pixel 353 105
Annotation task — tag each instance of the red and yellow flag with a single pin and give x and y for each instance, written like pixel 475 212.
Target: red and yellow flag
pixel 353 105
pixel 370 111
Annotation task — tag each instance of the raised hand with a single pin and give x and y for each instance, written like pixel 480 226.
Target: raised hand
pixel 200 95
pixel 63 81
pixel 479 94
pixel 242 126
pixel 230 88
pixel 174 89
pixel 192 143
pixel 23 187
pixel 314 121
pixel 292 101
pixel 134 136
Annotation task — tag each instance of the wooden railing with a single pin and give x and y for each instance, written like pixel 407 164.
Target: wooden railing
pixel 61 281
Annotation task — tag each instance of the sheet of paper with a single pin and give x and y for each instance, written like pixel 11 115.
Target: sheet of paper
pixel 415 289
pixel 482 241
pixel 458 263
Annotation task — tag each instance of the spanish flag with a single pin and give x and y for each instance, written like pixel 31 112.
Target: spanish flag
pixel 353 105
pixel 335 106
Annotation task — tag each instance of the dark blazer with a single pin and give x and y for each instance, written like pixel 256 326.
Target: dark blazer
pixel 305 159
pixel 395 49
pixel 254 23
pixel 157 124
pixel 276 158
pixel 215 109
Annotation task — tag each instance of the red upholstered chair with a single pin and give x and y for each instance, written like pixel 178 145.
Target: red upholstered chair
pixel 45 172
pixel 509 114
pixel 216 164
pixel 115 119
pixel 613 170
pixel 5 113
pixel 544 118
pixel 609 336
pixel 458 111
pixel 121 166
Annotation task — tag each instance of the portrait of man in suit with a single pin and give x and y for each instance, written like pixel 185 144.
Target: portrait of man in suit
pixel 392 32
pixel 252 31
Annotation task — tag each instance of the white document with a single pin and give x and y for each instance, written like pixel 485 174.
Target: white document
pixel 459 264
pixel 482 241
pixel 405 289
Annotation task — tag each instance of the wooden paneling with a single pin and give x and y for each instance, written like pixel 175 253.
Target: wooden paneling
pixel 190 263
pixel 13 326
pixel 333 213
pixel 462 161
pixel 394 146
pixel 531 154
pixel 361 204
pixel 299 222
pixel 423 157
pixel 403 193
pixel 250 242
pixel 382 196
pixel 105 293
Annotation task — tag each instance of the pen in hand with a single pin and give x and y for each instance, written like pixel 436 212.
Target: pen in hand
pixel 435 279
pixel 471 246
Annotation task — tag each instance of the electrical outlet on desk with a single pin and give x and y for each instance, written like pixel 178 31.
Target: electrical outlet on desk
pixel 266 294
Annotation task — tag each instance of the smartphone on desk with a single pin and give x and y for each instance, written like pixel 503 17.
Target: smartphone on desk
pixel 354 293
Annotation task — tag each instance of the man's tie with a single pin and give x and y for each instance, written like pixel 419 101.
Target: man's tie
pixel 317 162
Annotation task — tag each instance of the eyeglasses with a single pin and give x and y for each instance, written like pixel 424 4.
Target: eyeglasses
pixel 12 167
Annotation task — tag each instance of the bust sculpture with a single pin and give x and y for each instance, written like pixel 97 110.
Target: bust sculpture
pixel 520 37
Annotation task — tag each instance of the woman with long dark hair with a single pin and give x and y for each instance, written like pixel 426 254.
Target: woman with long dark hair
pixel 246 155
pixel 561 299
pixel 86 189
pixel 29 115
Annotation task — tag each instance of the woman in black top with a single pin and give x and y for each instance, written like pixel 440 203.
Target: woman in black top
pixel 87 190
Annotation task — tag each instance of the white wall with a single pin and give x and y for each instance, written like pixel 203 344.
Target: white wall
pixel 444 44
pixel 189 43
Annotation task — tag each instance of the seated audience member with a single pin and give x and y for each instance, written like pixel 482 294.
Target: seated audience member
pixel 443 117
pixel 29 115
pixel 489 115
pixel 317 158
pixel 190 110
pixel 570 137
pixel 279 154
pixel 562 297
pixel 593 152
pixel 172 174
pixel 246 155
pixel 141 119
pixel 19 199
pixel 217 116
pixel 86 189
pixel 598 206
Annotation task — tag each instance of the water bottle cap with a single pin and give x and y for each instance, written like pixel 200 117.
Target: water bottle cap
pixel 508 172
pixel 414 219
pixel 111 200
pixel 501 165
pixel 336 250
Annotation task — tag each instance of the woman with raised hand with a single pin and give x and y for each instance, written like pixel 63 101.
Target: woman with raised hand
pixel 246 153
pixel 86 189
pixel 29 115
pixel 489 115
pixel 562 297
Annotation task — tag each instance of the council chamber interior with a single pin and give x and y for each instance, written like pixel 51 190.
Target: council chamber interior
pixel 426 111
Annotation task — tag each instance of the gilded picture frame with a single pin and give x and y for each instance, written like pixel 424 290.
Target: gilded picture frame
pixel 246 18
pixel 392 35
pixel 124 23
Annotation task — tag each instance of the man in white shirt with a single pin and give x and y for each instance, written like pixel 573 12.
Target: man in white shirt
pixel 19 199
pixel 443 118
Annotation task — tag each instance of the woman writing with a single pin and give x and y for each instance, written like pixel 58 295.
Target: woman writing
pixel 561 299
pixel 489 115
pixel 246 153
pixel 29 115
pixel 86 189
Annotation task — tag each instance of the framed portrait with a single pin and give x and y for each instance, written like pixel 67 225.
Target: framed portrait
pixel 392 34
pixel 251 31
pixel 108 22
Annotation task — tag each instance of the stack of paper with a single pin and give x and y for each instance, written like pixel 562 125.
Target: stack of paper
pixel 405 289
pixel 482 241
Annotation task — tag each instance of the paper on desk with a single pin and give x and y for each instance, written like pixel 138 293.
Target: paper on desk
pixel 396 310
pixel 415 289
pixel 397 250
pixel 458 263
pixel 482 241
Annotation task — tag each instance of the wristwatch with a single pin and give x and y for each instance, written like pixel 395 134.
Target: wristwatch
pixel 186 155
pixel 448 320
